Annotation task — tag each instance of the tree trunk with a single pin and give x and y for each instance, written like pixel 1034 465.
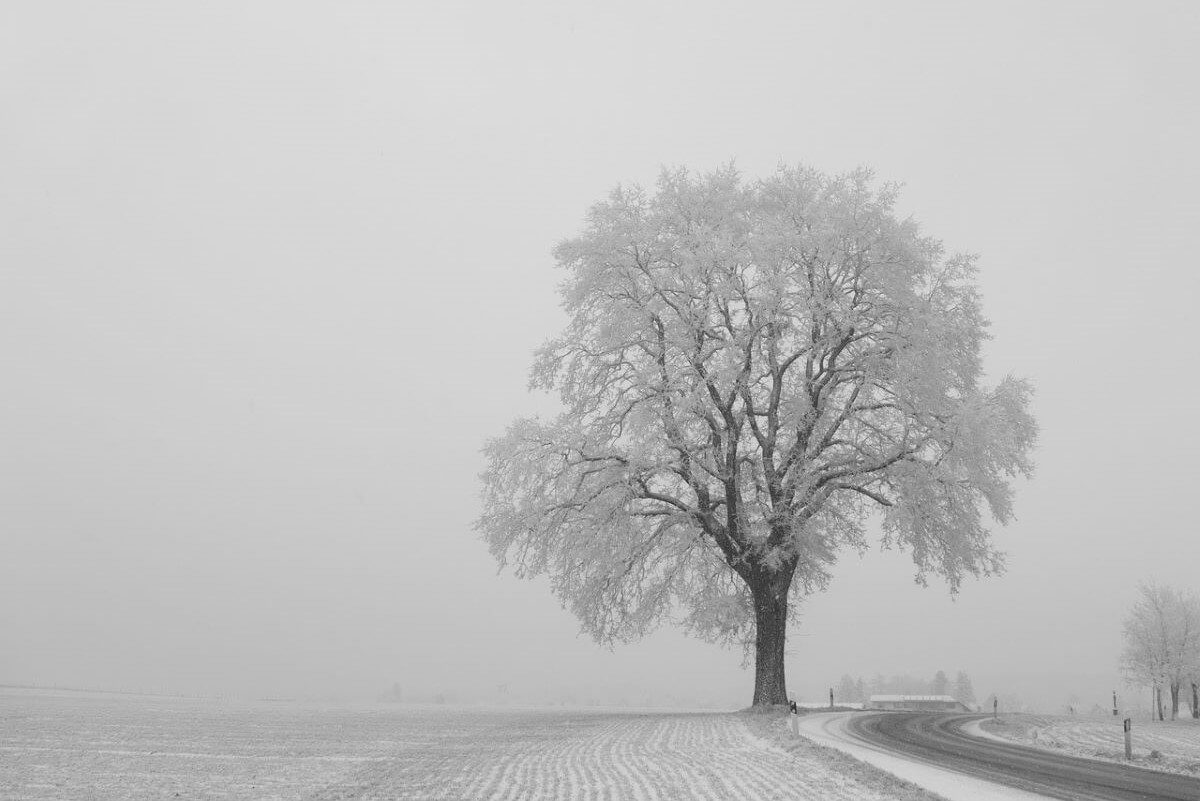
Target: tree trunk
pixel 770 634
pixel 1196 700
pixel 1158 704
pixel 1174 700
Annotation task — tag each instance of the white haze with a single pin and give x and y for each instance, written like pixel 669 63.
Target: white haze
pixel 270 274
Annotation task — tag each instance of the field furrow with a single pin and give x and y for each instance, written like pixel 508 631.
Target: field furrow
pixel 59 747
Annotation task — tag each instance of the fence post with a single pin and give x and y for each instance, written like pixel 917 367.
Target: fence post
pixel 1128 738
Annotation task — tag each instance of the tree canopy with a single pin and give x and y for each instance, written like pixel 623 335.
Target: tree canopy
pixel 750 370
pixel 1162 643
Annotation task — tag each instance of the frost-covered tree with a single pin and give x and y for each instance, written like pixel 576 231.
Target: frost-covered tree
pixel 1189 642
pixel 1162 642
pixel 1186 662
pixel 940 684
pixel 1189 637
pixel 749 370
pixel 1194 681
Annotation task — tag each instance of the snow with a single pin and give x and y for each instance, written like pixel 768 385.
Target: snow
pixel 142 748
pixel 829 729
pixel 1177 742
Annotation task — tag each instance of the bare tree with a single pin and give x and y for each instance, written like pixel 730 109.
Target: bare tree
pixel 1162 642
pixel 748 370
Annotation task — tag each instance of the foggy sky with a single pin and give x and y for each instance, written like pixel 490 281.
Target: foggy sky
pixel 271 275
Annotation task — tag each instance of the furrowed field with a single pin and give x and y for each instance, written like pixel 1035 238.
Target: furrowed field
pixel 75 746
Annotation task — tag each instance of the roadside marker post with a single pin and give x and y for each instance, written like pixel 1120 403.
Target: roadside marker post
pixel 1128 738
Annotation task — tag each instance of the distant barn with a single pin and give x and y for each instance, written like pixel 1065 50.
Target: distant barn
pixel 918 703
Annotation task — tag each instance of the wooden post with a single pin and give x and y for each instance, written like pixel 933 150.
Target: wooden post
pixel 1128 738
pixel 831 698
pixel 995 707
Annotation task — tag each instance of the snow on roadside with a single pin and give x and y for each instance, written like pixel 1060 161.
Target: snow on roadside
pixel 829 729
pixel 1176 743
pixel 773 732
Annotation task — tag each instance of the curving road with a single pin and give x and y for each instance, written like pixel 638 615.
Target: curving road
pixel 940 740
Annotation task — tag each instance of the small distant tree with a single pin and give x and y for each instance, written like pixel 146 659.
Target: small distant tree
pixel 1162 642
pixel 846 691
pixel 860 690
pixel 963 690
pixel 940 684
pixel 749 371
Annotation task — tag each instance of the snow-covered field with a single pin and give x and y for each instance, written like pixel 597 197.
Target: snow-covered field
pixel 1177 742
pixel 74 746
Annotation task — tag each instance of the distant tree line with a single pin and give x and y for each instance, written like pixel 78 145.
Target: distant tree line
pixel 1162 645
pixel 855 690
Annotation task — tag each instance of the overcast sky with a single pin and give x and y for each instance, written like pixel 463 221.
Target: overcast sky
pixel 271 273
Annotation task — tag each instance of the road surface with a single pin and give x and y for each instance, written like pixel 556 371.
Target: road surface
pixel 940 740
